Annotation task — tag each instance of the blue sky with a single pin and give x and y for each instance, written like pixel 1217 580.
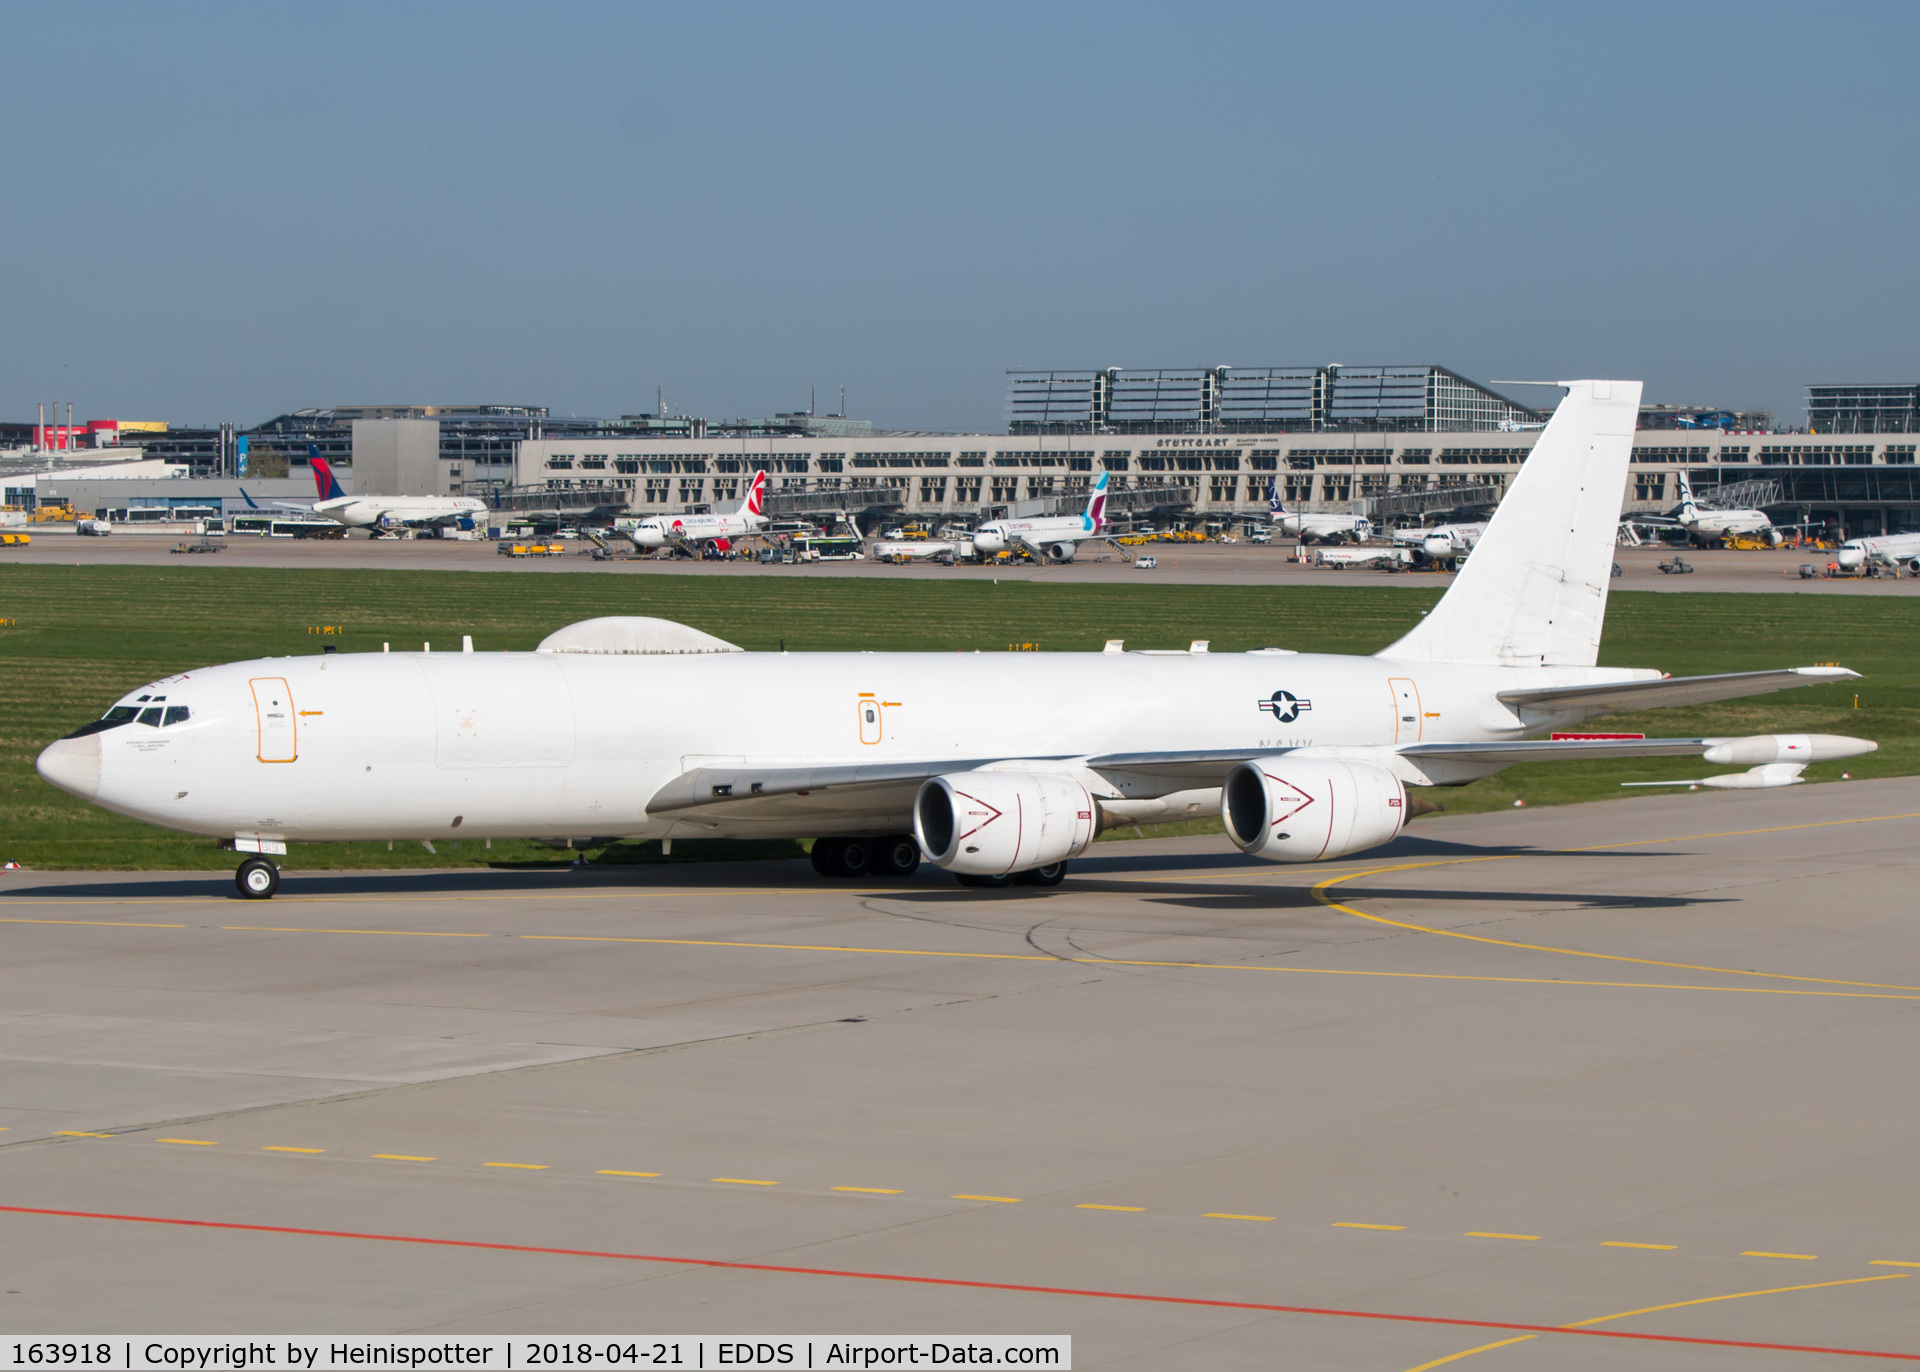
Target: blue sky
pixel 226 212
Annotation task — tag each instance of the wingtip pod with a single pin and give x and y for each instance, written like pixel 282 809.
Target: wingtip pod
pixel 1798 749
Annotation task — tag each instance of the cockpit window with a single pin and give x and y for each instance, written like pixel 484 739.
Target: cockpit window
pixel 177 714
pixel 151 717
pixel 112 719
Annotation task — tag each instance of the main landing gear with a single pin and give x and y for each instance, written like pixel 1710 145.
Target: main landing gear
pixel 257 879
pixel 896 855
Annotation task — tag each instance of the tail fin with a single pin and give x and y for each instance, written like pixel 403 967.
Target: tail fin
pixel 756 501
pixel 1687 507
pixel 1097 503
pixel 323 478
pixel 1275 506
pixel 1534 592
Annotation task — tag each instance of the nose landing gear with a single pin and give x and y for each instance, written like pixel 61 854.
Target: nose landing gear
pixel 257 879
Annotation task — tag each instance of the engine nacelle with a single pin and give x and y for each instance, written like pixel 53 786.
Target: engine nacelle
pixel 1061 551
pixel 1288 809
pixel 992 823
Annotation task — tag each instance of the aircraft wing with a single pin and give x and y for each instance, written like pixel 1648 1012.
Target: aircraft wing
pixel 1685 690
pixel 745 789
pixel 1563 750
pixel 839 792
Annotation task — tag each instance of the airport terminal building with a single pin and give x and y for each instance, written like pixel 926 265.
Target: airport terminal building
pixel 1206 444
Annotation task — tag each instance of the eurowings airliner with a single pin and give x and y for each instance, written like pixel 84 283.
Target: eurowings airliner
pixel 1054 537
pixel 994 766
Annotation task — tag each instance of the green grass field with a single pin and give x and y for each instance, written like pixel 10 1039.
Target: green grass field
pixel 73 639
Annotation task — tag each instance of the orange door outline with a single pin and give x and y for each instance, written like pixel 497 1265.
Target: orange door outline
pixel 1407 719
pixel 277 731
pixel 870 721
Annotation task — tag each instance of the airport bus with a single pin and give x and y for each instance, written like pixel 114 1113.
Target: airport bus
pixel 829 549
pixel 278 526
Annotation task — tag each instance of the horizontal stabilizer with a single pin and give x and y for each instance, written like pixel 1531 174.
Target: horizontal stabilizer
pixel 1685 690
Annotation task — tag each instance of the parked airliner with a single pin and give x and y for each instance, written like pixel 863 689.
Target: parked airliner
pixel 1055 537
pixel 706 532
pixel 1705 525
pixel 1319 528
pixel 994 766
pixel 380 512
pixel 1442 540
pixel 1891 549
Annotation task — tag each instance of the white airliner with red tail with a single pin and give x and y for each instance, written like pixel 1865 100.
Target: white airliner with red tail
pixel 994 766
pixel 706 532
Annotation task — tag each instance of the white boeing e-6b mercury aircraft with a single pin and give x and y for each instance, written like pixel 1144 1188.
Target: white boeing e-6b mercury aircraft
pixel 1321 528
pixel 706 532
pixel 996 766
pixel 1055 537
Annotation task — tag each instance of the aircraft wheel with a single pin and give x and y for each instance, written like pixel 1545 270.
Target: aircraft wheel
pixel 897 856
pixel 1051 875
pixel 969 879
pixel 826 856
pixel 257 879
pixel 856 857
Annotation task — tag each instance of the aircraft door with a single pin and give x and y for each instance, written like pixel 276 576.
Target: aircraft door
pixel 870 720
pixel 1407 719
pixel 278 737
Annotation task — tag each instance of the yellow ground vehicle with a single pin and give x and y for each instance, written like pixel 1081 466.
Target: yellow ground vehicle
pixel 53 514
pixel 13 540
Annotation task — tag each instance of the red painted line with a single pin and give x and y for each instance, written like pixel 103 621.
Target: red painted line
pixel 961 1282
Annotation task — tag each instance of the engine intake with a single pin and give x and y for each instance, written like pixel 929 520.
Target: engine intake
pixel 1288 809
pixel 994 823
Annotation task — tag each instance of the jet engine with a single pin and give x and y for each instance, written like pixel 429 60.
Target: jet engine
pixel 994 823
pixel 1060 552
pixel 1288 809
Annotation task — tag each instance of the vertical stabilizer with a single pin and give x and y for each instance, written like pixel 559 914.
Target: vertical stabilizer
pixel 1534 592
pixel 1688 509
pixel 1096 512
pixel 755 503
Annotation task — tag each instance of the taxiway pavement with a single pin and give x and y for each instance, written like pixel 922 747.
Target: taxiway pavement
pixel 1196 564
pixel 1533 1068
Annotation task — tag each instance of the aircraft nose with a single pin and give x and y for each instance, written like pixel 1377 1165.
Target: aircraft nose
pixel 73 764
